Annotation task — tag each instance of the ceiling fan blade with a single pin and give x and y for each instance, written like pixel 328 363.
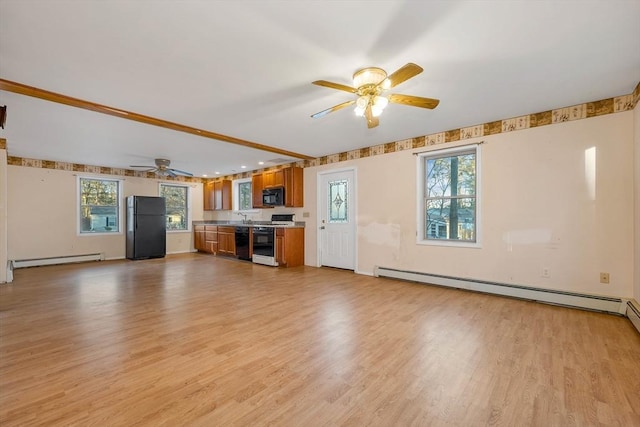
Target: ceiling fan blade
pixel 401 75
pixel 414 101
pixel 335 86
pixel 142 166
pixel 170 173
pixel 180 172
pixel 371 121
pixel 332 109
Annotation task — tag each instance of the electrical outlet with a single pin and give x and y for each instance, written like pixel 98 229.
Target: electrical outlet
pixel 604 278
pixel 545 272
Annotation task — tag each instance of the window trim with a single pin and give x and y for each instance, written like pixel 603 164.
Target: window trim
pixel 188 187
pixel 420 177
pixel 119 210
pixel 236 196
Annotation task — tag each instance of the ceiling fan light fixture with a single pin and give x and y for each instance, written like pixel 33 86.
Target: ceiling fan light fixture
pixel 361 105
pixel 379 104
pixel 368 76
pixel 369 84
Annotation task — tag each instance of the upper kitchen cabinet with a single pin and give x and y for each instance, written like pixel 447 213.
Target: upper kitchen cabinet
pixel 257 185
pixel 217 195
pixel 291 179
pixel 207 191
pixel 273 178
pixel 293 185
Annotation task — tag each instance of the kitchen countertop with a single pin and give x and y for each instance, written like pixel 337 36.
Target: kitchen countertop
pixel 298 224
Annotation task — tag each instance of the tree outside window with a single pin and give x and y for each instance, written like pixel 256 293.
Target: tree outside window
pixel 176 201
pixel 99 205
pixel 245 201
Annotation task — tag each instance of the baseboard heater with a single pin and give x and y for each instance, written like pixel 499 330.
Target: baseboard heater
pixel 38 262
pixel 571 299
pixel 633 313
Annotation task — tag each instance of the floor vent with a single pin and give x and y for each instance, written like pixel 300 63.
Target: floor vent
pixel 571 299
pixel 38 262
pixel 633 313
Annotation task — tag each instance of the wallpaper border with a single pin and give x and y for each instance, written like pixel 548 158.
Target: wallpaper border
pixel 587 110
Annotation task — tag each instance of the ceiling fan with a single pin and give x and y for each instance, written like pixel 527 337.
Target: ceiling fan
pixel 162 168
pixel 369 84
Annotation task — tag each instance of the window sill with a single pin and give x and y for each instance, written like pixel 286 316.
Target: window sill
pixel 101 233
pixel 449 243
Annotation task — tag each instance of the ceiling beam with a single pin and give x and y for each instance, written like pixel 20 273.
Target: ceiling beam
pixel 35 92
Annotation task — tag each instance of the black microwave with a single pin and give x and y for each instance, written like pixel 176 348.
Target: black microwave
pixel 273 196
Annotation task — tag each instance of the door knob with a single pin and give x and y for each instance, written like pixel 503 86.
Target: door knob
pixel 322 228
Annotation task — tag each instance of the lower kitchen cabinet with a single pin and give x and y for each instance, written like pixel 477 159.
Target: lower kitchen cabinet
pixel 205 238
pixel 221 240
pixel 211 238
pixel 289 247
pixel 227 241
pixel 198 238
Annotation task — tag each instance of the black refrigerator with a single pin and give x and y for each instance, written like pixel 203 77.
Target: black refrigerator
pixel 146 227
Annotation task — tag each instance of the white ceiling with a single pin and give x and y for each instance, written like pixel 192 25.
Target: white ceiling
pixel 244 69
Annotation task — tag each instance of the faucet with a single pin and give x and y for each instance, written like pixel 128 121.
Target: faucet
pixel 244 217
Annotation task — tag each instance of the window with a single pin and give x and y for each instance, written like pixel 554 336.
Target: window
pixel 449 196
pixel 177 203
pixel 243 197
pixel 99 205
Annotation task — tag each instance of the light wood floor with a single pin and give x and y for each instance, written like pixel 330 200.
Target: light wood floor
pixel 196 340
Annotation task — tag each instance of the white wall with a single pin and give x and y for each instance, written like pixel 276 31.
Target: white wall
pixel 42 215
pixel 537 210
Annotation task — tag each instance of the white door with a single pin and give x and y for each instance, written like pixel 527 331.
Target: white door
pixel 337 219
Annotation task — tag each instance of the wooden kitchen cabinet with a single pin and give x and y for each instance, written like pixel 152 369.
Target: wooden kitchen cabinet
pixel 257 185
pixel 211 239
pixel 198 238
pixel 222 195
pixel 293 187
pixel 289 247
pixel 207 190
pixel 290 178
pixel 205 238
pixel 274 178
pixel 227 241
pixel 217 195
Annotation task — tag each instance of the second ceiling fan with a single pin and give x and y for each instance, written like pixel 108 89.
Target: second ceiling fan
pixel 162 169
pixel 369 84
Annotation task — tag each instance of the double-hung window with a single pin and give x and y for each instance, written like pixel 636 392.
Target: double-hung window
pixel 99 205
pixel 177 205
pixel 448 196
